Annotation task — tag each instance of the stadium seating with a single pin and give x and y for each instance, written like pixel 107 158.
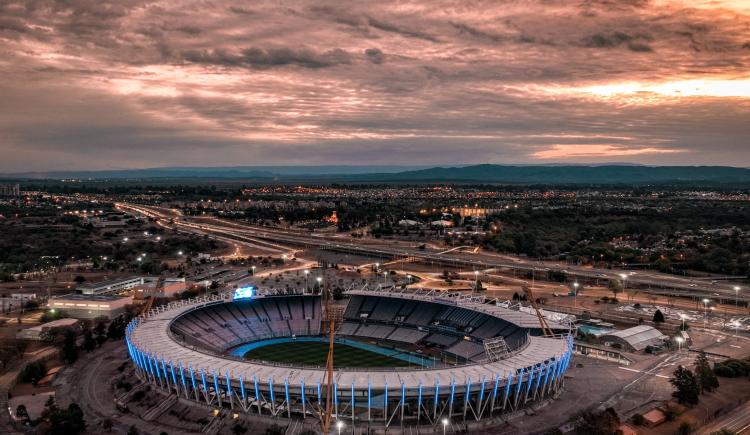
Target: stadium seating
pixel 220 326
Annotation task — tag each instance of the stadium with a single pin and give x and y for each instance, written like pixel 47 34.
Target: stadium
pixel 400 358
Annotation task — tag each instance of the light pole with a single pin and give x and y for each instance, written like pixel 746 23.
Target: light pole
pixel 737 297
pixel 307 286
pixel 575 294
pixel 679 343
pixel 705 312
pixel 682 316
pixel 624 281
pixel 253 269
pixel 320 288
pixel 339 425
pixel 476 280
pixel 385 279
pixel 445 424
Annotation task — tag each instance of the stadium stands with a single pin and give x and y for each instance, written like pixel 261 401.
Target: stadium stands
pixel 220 326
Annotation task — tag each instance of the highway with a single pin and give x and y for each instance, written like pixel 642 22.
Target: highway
pixel 481 260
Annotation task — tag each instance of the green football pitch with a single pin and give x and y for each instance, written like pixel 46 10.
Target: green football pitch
pixel 315 354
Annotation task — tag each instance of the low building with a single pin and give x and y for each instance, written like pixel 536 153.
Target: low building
pixel 89 306
pixel 161 288
pixel 43 331
pixel 10 190
pixel 110 286
pixel 634 339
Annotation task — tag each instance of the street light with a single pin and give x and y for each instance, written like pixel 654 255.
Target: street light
pixel 736 297
pixel 679 341
pixel 682 316
pixel 339 425
pixel 179 253
pixel 705 312
pixel 307 286
pixel 445 424
pixel 575 294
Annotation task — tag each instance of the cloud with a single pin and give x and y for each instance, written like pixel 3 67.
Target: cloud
pixel 270 57
pixel 157 82
pixel 609 151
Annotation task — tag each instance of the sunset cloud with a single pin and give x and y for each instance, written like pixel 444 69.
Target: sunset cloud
pixel 133 83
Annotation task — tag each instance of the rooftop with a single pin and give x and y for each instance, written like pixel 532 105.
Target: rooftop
pixel 90 298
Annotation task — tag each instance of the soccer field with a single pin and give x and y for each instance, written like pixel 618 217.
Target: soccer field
pixel 315 354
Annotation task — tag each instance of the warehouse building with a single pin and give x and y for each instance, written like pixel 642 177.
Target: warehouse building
pixel 80 306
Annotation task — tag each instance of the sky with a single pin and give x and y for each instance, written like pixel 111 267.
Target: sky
pixel 118 84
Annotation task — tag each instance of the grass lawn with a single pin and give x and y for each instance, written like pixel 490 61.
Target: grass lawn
pixel 312 353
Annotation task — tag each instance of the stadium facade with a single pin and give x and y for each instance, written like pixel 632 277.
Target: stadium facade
pixel 505 363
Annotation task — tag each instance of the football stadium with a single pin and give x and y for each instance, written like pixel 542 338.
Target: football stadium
pixel 387 357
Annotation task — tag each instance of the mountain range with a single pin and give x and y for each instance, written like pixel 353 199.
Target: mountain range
pixel 485 173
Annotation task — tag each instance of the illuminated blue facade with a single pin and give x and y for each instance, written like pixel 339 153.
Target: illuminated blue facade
pixel 424 401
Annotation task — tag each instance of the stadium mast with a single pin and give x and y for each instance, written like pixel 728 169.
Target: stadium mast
pixel 546 330
pixel 332 316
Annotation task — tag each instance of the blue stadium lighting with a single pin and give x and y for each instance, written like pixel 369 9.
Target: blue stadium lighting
pixel 481 392
pixel 519 383
pixel 369 396
pixel 229 385
pixel 164 368
pixel 352 396
pixel 497 384
pixel 508 383
pixel 319 398
pixel 531 380
pixel 403 394
pixel 216 383
pixel 270 388
pixel 255 384
pixel 437 390
pixel 336 395
pixel 242 388
pixel 244 293
pixel 302 390
pixel 171 368
pixel 468 391
pixel 192 376
pixel 419 396
pixel 182 376
pixel 453 391
pixel 286 390
pixel 203 381
pixel 385 395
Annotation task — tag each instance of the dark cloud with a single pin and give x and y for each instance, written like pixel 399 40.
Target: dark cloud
pixel 636 43
pixel 375 55
pixel 267 58
pixel 401 30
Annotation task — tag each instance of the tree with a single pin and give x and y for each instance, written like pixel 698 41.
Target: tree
pixel 133 430
pixel 69 348
pixel 658 317
pixel 686 386
pixel 22 413
pixel 107 425
pixel 79 279
pixel 597 423
pixel 615 287
pixel 89 343
pixel 238 429
pixel 685 428
pixel 68 421
pixel 707 379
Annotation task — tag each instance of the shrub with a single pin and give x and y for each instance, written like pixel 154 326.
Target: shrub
pixel 638 420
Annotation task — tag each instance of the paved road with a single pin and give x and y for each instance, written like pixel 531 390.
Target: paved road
pixel 479 260
pixel 737 421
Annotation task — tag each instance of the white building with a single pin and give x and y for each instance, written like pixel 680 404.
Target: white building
pixel 89 306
